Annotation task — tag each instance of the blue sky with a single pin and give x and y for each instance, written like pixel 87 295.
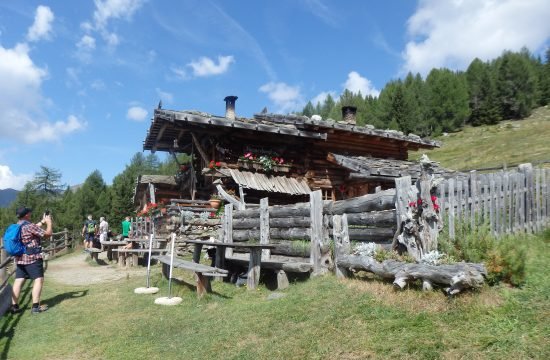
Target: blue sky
pixel 79 79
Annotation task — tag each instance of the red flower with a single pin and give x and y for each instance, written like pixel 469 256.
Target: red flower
pixel 412 204
pixel 419 201
pixel 218 164
pixel 434 198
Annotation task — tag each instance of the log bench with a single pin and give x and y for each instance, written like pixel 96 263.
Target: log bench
pixel 279 264
pixel 202 272
pixel 94 252
pixel 254 262
pixel 124 254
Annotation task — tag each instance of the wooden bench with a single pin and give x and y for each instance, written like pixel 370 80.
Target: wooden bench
pixel 123 254
pixel 254 262
pixel 202 272
pixel 94 252
pixel 279 264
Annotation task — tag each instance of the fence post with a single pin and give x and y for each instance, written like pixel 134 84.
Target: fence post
pixel 341 242
pixel 527 170
pixel 3 257
pixel 228 228
pixel 316 216
pixel 66 238
pixel 452 208
pixel 473 198
pixel 264 227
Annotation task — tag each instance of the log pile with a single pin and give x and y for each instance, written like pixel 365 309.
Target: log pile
pixel 453 277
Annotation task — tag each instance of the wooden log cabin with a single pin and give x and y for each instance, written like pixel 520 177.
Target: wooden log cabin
pixel 282 157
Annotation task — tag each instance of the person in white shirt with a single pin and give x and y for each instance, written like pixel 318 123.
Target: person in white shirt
pixel 103 229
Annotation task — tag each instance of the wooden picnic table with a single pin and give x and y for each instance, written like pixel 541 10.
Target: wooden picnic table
pixel 110 245
pixel 254 264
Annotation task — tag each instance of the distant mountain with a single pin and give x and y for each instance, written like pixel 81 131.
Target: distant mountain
pixel 7 196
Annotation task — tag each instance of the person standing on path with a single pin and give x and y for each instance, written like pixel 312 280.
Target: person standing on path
pixel 126 227
pixel 103 229
pixel 30 265
pixel 88 232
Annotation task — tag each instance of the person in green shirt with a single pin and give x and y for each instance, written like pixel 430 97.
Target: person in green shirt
pixel 126 227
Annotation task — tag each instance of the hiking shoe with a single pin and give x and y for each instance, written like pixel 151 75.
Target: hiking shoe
pixel 15 309
pixel 38 310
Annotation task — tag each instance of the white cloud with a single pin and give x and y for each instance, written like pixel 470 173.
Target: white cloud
pixel 287 98
pixel 207 67
pixel 322 11
pixel 320 98
pixel 355 83
pixel 21 102
pixel 136 113
pixel 114 9
pixel 86 43
pixel 165 96
pixel 111 39
pixel 98 85
pixel 42 26
pixel 9 180
pixel 179 72
pixel 452 33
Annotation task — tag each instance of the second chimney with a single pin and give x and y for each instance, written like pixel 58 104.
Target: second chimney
pixel 349 114
pixel 230 107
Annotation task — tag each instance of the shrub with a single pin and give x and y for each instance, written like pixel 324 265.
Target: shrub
pixel 504 258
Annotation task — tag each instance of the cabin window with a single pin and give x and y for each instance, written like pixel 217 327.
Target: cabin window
pixel 328 194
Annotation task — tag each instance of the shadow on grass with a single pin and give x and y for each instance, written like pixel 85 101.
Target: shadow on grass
pixel 53 301
pixel 10 324
pixel 193 288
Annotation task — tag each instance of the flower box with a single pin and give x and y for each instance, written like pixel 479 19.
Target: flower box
pixel 247 164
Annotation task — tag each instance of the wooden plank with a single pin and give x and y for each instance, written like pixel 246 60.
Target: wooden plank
pixel 521 209
pixel 459 202
pixel 545 195
pixel 492 190
pixel 451 208
pixel 253 278
pixel 527 170
pixel 228 228
pixel 506 201
pixel 517 202
pixel 538 222
pixel 316 216
pixel 473 199
pixel 264 227
pixel 466 214
pixel 442 199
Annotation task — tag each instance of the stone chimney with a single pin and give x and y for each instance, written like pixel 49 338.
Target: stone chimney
pixel 348 114
pixel 230 107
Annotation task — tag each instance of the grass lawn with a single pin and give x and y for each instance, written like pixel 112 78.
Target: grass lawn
pixel 322 318
pixel 509 142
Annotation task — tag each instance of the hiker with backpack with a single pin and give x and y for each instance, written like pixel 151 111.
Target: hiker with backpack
pixel 29 262
pixel 88 232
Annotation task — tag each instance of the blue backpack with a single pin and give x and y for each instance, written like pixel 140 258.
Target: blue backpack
pixel 12 240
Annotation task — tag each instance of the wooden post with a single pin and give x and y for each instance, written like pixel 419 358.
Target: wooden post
pixel 228 228
pixel 66 238
pixel 152 193
pixel 264 227
pixel 341 242
pixel 241 195
pixel 442 199
pixel 316 216
pixel 545 195
pixel 527 170
pixel 538 223
pixel 459 202
pixel 253 278
pixel 3 257
pixel 473 198
pixel 452 208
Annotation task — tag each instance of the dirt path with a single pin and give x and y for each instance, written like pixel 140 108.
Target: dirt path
pixel 75 269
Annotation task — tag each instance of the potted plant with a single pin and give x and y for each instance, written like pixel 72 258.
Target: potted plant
pixel 215 201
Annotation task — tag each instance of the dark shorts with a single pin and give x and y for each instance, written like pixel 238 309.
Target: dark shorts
pixel 31 271
pixel 89 237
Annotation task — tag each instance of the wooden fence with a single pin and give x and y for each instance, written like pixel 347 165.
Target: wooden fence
pixel 302 232
pixel 57 243
pixel 508 201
